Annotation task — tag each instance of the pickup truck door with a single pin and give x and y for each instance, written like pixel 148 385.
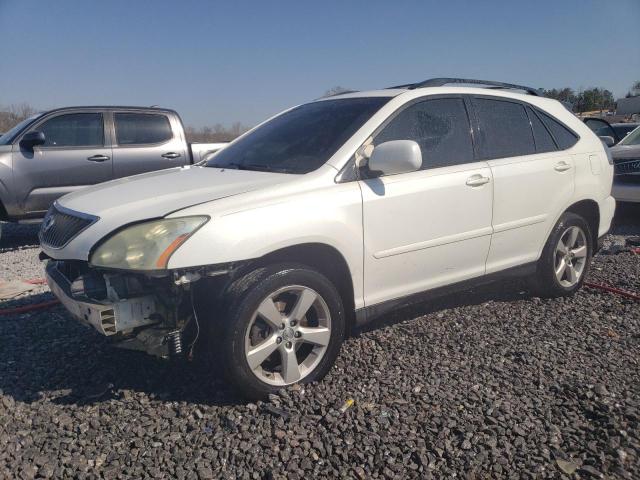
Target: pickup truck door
pixel 147 141
pixel 75 154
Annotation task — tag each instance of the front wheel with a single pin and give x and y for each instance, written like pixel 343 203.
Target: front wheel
pixel 566 258
pixel 285 324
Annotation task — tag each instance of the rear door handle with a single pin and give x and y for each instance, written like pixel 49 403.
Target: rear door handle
pixel 171 155
pixel 477 180
pixel 98 158
pixel 562 167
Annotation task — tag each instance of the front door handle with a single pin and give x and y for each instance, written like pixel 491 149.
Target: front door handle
pixel 98 158
pixel 477 180
pixel 562 167
pixel 171 155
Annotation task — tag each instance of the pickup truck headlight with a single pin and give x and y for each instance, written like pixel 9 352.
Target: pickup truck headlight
pixel 146 246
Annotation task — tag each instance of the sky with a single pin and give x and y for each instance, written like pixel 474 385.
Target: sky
pixel 240 61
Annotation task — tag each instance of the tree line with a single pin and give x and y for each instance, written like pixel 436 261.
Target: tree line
pixel 596 98
pixel 591 99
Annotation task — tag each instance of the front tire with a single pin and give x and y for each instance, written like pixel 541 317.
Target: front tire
pixel 284 324
pixel 566 258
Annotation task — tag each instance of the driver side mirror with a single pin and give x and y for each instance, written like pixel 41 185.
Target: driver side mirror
pixel 607 140
pixel 32 139
pixel 395 157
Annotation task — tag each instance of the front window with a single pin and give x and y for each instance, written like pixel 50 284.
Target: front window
pixel 74 130
pixel 300 140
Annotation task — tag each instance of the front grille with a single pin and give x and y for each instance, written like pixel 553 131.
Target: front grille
pixel 627 167
pixel 60 226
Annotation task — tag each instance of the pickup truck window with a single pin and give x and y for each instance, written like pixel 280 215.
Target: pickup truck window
pixel 300 140
pixel 73 130
pixel 142 128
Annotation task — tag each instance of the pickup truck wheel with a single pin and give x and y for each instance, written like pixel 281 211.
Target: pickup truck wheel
pixel 566 258
pixel 285 324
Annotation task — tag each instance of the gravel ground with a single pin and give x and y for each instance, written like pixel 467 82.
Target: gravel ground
pixel 493 383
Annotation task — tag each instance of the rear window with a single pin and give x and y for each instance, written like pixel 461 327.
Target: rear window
pixel 504 129
pixel 142 128
pixel 564 137
pixel 544 140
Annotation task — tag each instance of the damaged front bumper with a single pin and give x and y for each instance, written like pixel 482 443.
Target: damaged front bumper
pixel 137 312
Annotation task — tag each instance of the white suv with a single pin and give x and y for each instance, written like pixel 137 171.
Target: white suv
pixel 329 215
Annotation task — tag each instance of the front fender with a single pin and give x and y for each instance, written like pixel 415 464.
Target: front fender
pixel 332 216
pixel 6 180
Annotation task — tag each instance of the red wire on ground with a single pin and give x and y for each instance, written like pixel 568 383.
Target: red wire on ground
pixel 28 308
pixel 617 291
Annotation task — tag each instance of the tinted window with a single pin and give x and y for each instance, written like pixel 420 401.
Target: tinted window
pixel 300 140
pixel 504 129
pixel 563 136
pixel 544 140
pixel 73 130
pixel 440 127
pixel 142 128
pixel 623 130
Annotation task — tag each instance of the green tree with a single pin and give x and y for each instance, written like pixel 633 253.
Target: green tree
pixel 635 89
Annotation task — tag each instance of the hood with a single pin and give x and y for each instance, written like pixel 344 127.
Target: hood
pixel 157 194
pixel 623 152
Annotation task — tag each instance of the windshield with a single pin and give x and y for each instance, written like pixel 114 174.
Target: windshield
pixel 300 140
pixel 8 137
pixel 632 139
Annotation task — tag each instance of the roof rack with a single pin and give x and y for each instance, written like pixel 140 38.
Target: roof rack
pixel 439 82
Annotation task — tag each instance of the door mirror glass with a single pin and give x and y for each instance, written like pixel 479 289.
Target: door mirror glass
pixel 394 157
pixel 607 140
pixel 32 139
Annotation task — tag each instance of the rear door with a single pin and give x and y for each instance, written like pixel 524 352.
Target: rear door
pixel 431 227
pixel 533 175
pixel 75 154
pixel 146 141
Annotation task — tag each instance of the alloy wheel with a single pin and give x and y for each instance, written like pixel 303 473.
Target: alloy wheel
pixel 570 256
pixel 288 335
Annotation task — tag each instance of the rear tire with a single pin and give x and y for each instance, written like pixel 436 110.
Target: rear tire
pixel 283 324
pixel 566 258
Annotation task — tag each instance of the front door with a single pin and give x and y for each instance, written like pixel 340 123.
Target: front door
pixel 431 227
pixel 73 156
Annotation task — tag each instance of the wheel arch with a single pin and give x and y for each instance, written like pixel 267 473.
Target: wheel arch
pixel 4 216
pixel 590 211
pixel 324 258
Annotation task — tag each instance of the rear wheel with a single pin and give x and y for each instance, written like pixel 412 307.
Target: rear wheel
pixel 566 257
pixel 285 324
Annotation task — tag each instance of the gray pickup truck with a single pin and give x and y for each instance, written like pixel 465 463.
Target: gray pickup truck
pixel 57 152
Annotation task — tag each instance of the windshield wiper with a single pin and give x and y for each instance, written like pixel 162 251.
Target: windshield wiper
pixel 254 167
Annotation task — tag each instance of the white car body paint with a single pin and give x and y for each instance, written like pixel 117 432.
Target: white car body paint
pixel 399 234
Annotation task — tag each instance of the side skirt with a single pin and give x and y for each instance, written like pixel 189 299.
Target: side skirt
pixel 373 312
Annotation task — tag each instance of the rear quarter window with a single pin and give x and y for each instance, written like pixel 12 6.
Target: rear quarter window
pixel 564 137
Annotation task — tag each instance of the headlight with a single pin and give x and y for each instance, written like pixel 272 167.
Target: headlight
pixel 146 246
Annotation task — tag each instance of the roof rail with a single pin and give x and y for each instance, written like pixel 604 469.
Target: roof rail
pixel 439 82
